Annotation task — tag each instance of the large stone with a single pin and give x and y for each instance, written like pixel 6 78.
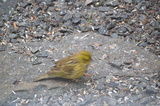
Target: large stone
pixel 17 72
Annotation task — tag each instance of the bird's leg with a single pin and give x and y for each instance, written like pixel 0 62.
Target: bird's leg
pixel 87 75
pixel 77 80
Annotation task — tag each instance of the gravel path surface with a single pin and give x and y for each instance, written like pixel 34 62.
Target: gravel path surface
pixel 122 35
pixel 7 5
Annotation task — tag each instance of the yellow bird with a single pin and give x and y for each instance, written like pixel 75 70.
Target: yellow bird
pixel 71 67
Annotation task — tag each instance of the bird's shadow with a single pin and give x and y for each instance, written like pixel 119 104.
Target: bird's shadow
pixel 76 81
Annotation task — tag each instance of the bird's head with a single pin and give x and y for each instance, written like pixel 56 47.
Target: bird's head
pixel 85 57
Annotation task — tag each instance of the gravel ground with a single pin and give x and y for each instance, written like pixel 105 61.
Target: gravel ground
pixel 122 74
pixel 37 32
pixel 131 20
pixel 7 5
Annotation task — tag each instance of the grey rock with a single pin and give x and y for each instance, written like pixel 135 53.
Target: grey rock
pixel 118 17
pixel 37 22
pixel 76 20
pixel 114 35
pixel 67 17
pixel 150 41
pixel 12 29
pixel 41 17
pixel 83 21
pixel 13 36
pixel 15 18
pixel 62 12
pixel 5 17
pixel 63 30
pixel 45 26
pixel 34 50
pixel 150 92
pixel 143 44
pixel 1 23
pixel 112 84
pixel 2 48
pixel 111 101
pixel 25 4
pixel 103 31
pixel 74 98
pixel 124 84
pixel 39 1
pixel 22 24
pixel 104 9
pixel 49 3
pixel 138 6
pixel 122 30
pixel 110 26
pixel 128 1
pixel 89 2
pixel 85 102
pixel 83 28
pixel 46 99
pixel 61 102
pixel 145 101
pixel 14 41
pixel 50 8
pixel 36 9
pixel 36 62
pixel 111 3
pixel 58 34
pixel 54 15
pixel 96 27
pixel 142 17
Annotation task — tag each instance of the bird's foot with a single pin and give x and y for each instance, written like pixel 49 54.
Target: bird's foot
pixel 87 75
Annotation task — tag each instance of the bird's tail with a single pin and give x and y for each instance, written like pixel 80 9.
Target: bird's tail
pixel 45 76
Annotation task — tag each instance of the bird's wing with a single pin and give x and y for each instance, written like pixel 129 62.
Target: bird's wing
pixel 61 62
pixel 68 70
pixel 69 67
